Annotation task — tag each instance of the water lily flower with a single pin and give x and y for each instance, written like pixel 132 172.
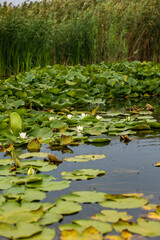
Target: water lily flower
pixel 69 116
pixel 51 118
pixel 83 115
pixel 79 128
pixel 98 117
pixel 22 135
pixel 30 171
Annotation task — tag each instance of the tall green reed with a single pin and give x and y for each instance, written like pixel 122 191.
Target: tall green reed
pixel 77 32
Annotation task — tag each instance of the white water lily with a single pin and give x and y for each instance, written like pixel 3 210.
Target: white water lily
pixel 83 115
pixel 79 128
pixel 98 117
pixel 51 118
pixel 69 116
pixel 30 171
pixel 23 135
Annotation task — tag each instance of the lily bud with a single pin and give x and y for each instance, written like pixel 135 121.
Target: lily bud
pixel 30 171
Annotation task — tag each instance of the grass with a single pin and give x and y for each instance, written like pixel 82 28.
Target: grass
pixel 77 32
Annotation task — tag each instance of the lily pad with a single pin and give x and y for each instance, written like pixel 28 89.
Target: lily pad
pixel 33 195
pixel 88 233
pixel 102 227
pixel 84 196
pixel 111 216
pixel 98 140
pixel 82 174
pixel 143 227
pixel 65 207
pixel 50 218
pixel 34 154
pixel 20 215
pixel 5 162
pixel 85 158
pixel 5 183
pixel 124 202
pixel 50 186
pixel 45 234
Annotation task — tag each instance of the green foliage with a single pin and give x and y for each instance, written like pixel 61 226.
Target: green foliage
pixel 77 32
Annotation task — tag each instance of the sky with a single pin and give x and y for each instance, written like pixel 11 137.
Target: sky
pixel 15 2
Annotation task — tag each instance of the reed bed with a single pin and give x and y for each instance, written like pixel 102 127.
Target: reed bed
pixel 77 32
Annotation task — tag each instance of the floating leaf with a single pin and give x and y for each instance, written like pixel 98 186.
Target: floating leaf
pixel 65 207
pixel 98 140
pixel 102 227
pixel 34 154
pixel 5 183
pixel 84 196
pixel 50 186
pixel 141 127
pixel 149 207
pixel 26 230
pixel 20 215
pixel 50 218
pixel 5 162
pixel 111 216
pixel 88 233
pixel 34 145
pixel 29 179
pixel 84 158
pixel 65 140
pixel 143 227
pixel 46 234
pixel 33 195
pixel 124 202
pixel 34 163
pixel 82 174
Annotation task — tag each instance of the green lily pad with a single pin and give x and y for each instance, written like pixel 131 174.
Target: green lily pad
pixel 14 191
pixel 141 127
pixel 46 168
pixel 28 179
pixel 143 227
pixel 5 162
pixel 50 186
pixel 85 196
pixel 102 227
pixel 65 207
pixel 85 158
pixel 88 233
pixel 26 230
pixel 154 124
pixel 111 216
pixel 33 195
pixel 46 234
pixel 124 202
pixel 34 163
pixel 20 215
pixel 98 140
pixel 5 170
pixel 43 133
pixel 5 183
pixel 82 174
pixel 50 218
pixel 34 154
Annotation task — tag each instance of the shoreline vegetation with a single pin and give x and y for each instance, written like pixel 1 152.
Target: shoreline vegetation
pixel 77 32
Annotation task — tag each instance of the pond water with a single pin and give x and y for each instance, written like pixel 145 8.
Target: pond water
pixel 129 169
